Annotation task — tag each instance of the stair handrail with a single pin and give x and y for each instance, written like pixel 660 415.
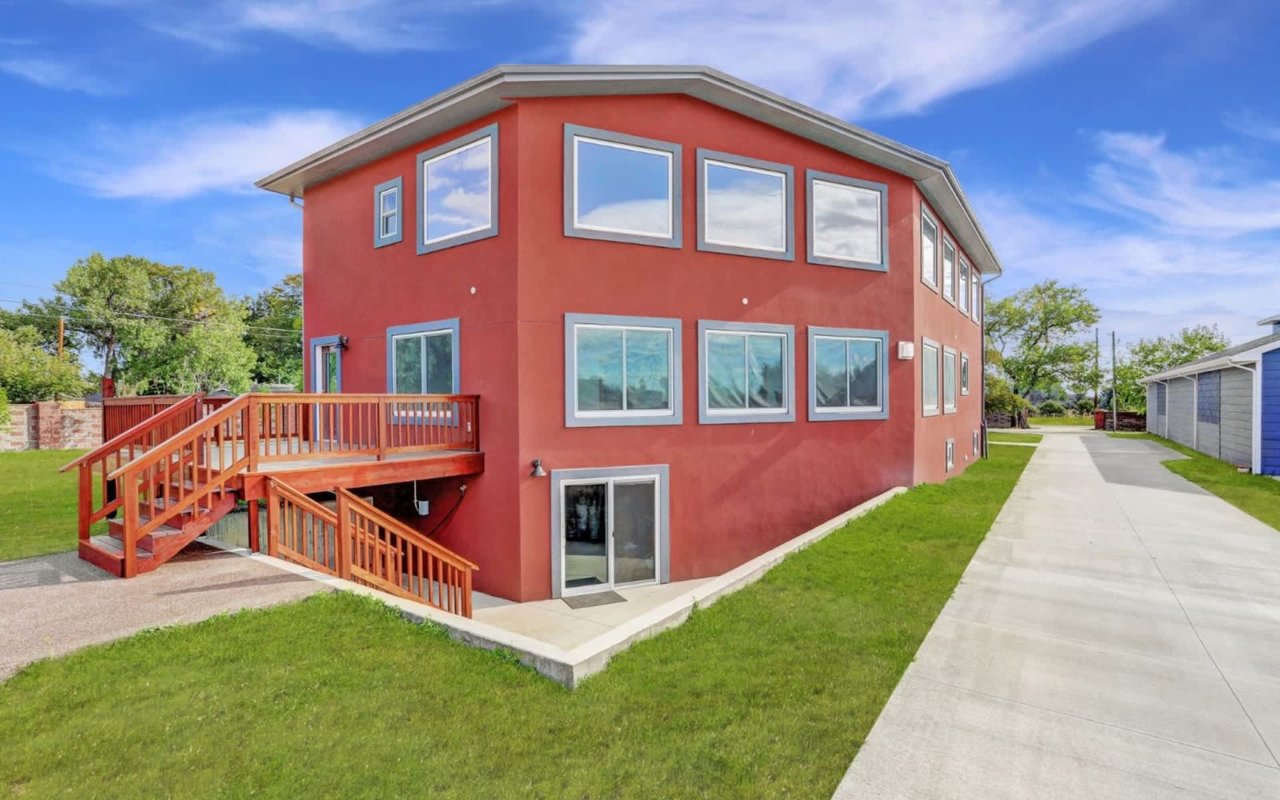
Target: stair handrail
pixel 202 425
pixel 419 539
pixel 120 440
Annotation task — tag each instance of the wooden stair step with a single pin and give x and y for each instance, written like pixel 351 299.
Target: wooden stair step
pixel 114 547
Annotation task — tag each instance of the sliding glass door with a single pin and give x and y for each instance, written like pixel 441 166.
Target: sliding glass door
pixel 610 533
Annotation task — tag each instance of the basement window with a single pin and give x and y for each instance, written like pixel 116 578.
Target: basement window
pixel 423 358
pixel 746 372
pixel 848 374
pixel 622 371
pixel 386 213
pixel 929 376
pixel 457 200
pixel 847 225
pixel 744 206
pixel 951 454
pixel 621 188
pixel 948 381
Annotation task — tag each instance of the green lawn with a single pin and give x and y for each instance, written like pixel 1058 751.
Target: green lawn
pixel 37 504
pixel 1009 436
pixel 1254 494
pixel 768 693
pixel 1054 422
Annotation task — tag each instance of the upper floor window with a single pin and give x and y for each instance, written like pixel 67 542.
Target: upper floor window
pixel 386 213
pixel 423 358
pixel 744 206
pixel 963 289
pixel 745 372
pixel 964 374
pixel 948 381
pixel 975 290
pixel 928 249
pixel 457 201
pixel 848 374
pixel 929 376
pixel 622 371
pixel 948 270
pixel 846 219
pixel 621 188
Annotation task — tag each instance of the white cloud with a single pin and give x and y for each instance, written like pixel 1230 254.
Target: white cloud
pixel 61 75
pixel 172 159
pixel 872 57
pixel 1250 123
pixel 1210 192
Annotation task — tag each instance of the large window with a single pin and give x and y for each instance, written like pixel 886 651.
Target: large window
pixel 423 358
pixel 621 371
pixel 928 249
pixel 963 288
pixel 745 372
pixel 848 374
pixel 948 270
pixel 948 381
pixel 386 213
pixel 744 206
pixel 846 222
pixel 929 376
pixel 458 201
pixel 622 188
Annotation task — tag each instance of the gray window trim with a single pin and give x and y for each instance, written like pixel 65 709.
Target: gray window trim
pixel 451 325
pixel 828 177
pixel 926 214
pixel 962 267
pixel 949 352
pixel 575 419
pixel 822 415
pixel 675 240
pixel 561 476
pixel 720 417
pixel 924 404
pixel 947 241
pixel 378 239
pixel 961 381
pixel 488 131
pixel 788 253
pixel 318 342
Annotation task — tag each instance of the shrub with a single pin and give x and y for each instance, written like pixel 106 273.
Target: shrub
pixel 1051 408
pixel 1084 406
pixel 4 408
pixel 1001 399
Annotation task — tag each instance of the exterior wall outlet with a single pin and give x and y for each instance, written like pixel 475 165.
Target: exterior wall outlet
pixel 424 507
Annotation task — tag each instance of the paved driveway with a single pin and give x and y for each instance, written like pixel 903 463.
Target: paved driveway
pixel 1117 635
pixel 55 604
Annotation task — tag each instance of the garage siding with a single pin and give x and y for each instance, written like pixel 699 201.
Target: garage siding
pixel 1271 413
pixel 1182 411
pixel 1162 392
pixel 1237 417
pixel 1152 405
pixel 1208 410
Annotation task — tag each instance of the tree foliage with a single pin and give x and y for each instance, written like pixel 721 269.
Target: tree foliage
pixel 1038 335
pixel 28 373
pixel 1149 356
pixel 275 332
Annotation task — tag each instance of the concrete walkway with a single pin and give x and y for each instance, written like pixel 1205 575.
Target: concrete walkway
pixel 1117 635
pixel 54 604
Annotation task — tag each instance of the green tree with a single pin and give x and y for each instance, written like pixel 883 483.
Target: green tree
pixel 157 328
pixel 274 332
pixel 28 373
pixel 1149 356
pixel 1038 334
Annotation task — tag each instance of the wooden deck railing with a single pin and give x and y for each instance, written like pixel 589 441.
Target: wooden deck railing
pixel 360 543
pixel 120 414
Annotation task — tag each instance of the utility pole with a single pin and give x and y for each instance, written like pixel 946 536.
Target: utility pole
pixel 1097 367
pixel 62 333
pixel 1115 402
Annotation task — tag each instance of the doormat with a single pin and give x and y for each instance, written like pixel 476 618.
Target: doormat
pixel 594 599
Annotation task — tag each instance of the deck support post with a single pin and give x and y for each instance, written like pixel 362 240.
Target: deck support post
pixel 273 519
pixel 255 525
pixel 342 537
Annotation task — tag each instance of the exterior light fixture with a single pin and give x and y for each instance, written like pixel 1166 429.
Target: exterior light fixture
pixel 538 471
pixel 343 342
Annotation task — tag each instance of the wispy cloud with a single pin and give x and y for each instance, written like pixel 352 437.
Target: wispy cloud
pixel 169 159
pixel 1210 192
pixel 867 58
pixel 61 75
pixel 1253 124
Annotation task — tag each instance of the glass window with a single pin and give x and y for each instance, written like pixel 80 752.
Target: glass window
pixel 964 374
pixel 423 363
pixel 949 381
pixel 745 205
pixel 928 250
pixel 929 377
pixel 847 374
pixel 386 213
pixel 846 222
pixel 622 188
pixel 746 373
pixel 621 370
pixel 975 294
pixel 458 200
pixel 948 270
pixel 963 295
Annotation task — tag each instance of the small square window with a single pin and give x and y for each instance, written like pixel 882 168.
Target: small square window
pixel 948 271
pixel 622 371
pixel 928 249
pixel 386 213
pixel 929 376
pixel 948 381
pixel 621 188
pixel 744 206
pixel 848 374
pixel 846 221
pixel 745 372
pixel 457 197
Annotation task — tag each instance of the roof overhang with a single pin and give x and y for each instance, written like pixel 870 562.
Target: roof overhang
pixel 501 86
pixel 1242 360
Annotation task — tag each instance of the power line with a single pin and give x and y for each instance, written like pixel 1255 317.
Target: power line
pixel 269 331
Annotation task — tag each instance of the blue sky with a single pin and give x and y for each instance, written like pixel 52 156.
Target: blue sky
pixel 1132 147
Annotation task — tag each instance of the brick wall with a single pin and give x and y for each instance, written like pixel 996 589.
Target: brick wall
pixel 52 426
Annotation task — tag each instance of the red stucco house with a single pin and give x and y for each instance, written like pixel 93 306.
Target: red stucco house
pixel 700 317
